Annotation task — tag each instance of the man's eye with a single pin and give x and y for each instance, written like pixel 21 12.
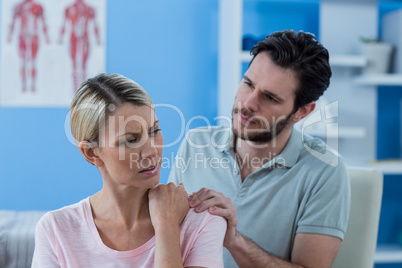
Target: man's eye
pixel 270 98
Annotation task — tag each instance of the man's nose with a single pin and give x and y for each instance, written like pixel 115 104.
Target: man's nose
pixel 251 102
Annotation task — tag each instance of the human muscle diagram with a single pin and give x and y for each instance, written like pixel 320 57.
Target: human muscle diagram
pixel 79 16
pixel 30 15
pixel 49 48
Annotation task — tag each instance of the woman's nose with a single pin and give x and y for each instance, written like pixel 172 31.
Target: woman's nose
pixel 149 149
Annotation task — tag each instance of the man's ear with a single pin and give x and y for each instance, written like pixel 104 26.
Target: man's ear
pixel 303 111
pixel 88 150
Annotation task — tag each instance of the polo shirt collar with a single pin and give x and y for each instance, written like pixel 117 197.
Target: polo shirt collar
pixel 288 157
pixel 290 154
pixel 225 140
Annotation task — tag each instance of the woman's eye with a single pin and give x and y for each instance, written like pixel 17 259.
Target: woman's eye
pixel 131 141
pixel 155 131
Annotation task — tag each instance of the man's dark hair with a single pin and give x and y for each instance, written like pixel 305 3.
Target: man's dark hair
pixel 305 56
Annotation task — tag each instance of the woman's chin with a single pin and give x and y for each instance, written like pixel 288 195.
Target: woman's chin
pixel 154 181
pixel 155 184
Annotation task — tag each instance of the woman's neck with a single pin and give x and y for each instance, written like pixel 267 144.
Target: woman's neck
pixel 127 205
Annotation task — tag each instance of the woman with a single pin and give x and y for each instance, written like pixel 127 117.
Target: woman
pixel 132 221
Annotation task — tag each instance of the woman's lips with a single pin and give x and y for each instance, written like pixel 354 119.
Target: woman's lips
pixel 151 170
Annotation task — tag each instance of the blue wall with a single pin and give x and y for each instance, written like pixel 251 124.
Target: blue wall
pixel 169 47
pixel 263 17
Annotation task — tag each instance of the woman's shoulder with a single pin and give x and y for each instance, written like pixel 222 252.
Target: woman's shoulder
pixel 201 219
pixel 67 214
pixel 202 237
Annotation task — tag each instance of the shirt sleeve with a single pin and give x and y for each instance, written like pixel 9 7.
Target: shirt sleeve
pixel 208 247
pixel 328 206
pixel 44 253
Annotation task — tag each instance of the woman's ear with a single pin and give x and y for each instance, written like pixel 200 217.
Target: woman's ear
pixel 89 151
pixel 303 111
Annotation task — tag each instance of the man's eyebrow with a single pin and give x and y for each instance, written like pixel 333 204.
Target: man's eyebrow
pixel 248 79
pixel 272 95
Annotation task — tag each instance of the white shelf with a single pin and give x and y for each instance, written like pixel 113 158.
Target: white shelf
pixel 388 254
pixel 352 61
pixel 347 60
pixel 387 167
pixel 245 56
pixel 379 80
pixel 335 60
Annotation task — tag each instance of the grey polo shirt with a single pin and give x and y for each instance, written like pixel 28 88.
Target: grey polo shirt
pixel 305 189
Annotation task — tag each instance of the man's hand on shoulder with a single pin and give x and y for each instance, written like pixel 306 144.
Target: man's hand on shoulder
pixel 217 204
pixel 309 250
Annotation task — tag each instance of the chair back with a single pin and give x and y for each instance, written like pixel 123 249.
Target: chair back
pixel 358 247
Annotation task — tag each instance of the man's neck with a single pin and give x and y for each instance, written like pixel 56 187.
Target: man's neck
pixel 252 156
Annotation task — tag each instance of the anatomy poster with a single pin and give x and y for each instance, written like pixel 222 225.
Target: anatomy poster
pixel 48 48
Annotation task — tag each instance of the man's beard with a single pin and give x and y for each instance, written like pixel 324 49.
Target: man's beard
pixel 260 135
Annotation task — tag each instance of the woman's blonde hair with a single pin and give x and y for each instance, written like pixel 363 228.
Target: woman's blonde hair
pixel 98 96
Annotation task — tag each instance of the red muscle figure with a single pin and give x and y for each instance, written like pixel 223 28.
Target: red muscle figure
pixel 29 13
pixel 79 14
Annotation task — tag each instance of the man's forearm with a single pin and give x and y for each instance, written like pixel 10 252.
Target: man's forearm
pixel 247 254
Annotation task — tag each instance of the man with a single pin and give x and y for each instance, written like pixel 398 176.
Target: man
pixel 285 206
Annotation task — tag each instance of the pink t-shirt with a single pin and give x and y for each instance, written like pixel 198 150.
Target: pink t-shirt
pixel 68 237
